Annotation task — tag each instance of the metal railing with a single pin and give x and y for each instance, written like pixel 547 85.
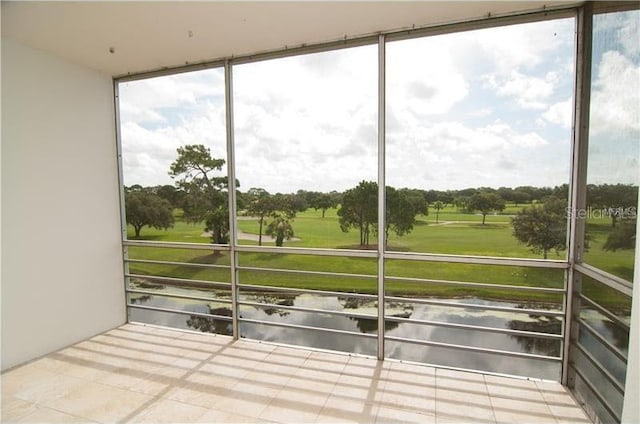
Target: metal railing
pixel 244 293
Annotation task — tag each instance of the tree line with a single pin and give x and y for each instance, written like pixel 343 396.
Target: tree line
pixel 202 194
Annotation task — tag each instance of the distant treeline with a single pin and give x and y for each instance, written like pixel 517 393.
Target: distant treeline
pixel 602 196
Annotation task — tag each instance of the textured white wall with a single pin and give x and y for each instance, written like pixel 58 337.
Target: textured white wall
pixel 61 260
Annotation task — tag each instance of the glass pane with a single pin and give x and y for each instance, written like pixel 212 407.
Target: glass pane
pixel 479 134
pixel 174 157
pixel 614 143
pixel 305 132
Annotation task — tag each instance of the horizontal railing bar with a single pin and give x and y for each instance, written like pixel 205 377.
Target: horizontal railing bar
pixel 307 251
pixel 478 260
pixel 471 284
pixel 610 280
pixel 179 296
pixel 474 349
pixel 617 352
pixel 600 368
pixel 429 257
pixel 474 306
pixel 475 328
pixel 177 311
pixel 175 245
pixel 156 262
pixel 296 271
pixel 596 392
pixel 311 310
pixel 306 327
pixel 182 281
pixel 604 311
pixel 256 287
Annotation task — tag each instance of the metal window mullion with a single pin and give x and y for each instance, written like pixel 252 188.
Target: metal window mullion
pixel 381 191
pixel 578 183
pixel 231 175
pixel 121 194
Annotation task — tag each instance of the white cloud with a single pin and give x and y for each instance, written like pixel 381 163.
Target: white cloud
pixel 615 97
pixel 530 92
pixel 560 113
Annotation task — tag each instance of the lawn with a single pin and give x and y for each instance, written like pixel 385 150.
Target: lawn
pixel 455 233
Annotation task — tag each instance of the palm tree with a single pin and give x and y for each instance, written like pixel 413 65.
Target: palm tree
pixel 280 228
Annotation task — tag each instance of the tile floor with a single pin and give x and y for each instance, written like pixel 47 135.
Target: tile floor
pixel 143 374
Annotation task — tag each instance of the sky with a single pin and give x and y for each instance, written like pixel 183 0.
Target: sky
pixel 491 107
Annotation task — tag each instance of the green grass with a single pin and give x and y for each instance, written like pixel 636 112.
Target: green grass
pixel 456 233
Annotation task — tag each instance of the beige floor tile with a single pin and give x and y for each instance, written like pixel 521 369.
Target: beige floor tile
pixel 60 363
pixel 287 411
pixel 463 406
pixel 101 403
pixel 169 411
pixel 361 388
pixel 48 415
pixel 13 409
pixel 513 388
pixel 194 394
pixel 397 416
pixel 338 409
pixel 147 374
pixel 246 399
pixel 569 414
pixel 304 383
pixel 303 397
pixel 36 385
pixel 267 377
pixel 406 396
pixel 508 411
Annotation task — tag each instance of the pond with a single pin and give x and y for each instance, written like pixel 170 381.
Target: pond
pixel 364 327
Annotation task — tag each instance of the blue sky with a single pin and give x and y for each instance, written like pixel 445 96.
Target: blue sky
pixel 482 108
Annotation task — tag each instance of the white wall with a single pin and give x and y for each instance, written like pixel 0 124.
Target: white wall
pixel 61 260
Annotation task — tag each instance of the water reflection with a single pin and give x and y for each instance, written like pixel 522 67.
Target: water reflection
pixel 366 324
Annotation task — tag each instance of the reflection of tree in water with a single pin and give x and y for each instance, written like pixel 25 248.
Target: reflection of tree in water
pixel 140 299
pixel 370 325
pixel 213 325
pixel 542 324
pixel 275 299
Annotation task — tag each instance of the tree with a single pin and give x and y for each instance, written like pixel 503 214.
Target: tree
pixel 613 199
pixel 485 203
pixel 323 201
pixel 259 204
pixel 146 209
pixel 280 228
pixel 542 227
pixel 359 209
pixel 400 213
pixel 205 195
pixel 437 206
pixel 623 236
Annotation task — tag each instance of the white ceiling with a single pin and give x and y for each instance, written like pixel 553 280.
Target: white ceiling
pixel 153 35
